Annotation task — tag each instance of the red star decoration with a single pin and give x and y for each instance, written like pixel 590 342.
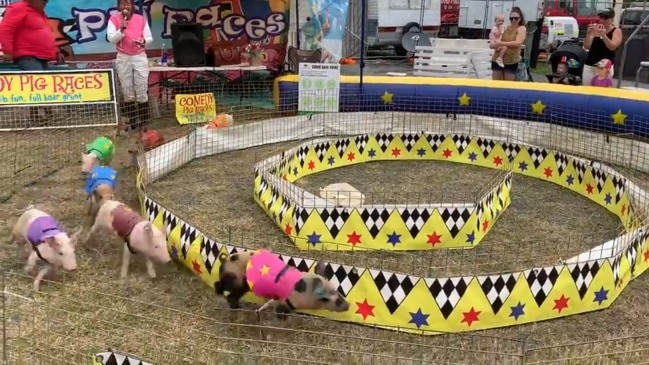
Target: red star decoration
pixel 197 267
pixel 498 161
pixel 623 209
pixel 354 238
pixel 485 225
pixel 561 303
pixel 471 316
pixel 396 152
pixel 547 172
pixel 288 229
pixel 351 156
pixel 365 309
pixel 434 238
pixel 589 189
pixel 447 153
pixel 311 165
pixel 646 255
pixel 285 177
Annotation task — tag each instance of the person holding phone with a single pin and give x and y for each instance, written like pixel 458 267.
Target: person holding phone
pixel 602 40
pixel 130 32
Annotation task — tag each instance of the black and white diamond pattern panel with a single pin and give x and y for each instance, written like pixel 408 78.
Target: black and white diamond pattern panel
pixel 541 281
pixel 497 288
pixel 537 155
pixel 283 209
pixel 455 218
pixel 384 141
pixel 341 146
pixel 375 219
pixel 361 142
pixel 334 219
pixel 435 141
pixel 321 150
pixel 583 274
pixel 486 146
pixel 580 168
pixel 274 195
pixel 344 277
pixel 300 215
pixel 511 150
pixel 394 288
pixel 562 162
pixel 170 221
pixel 210 250
pixel 415 218
pixel 410 140
pixel 461 142
pixel 299 263
pixel 263 186
pixel 231 250
pixel 619 183
pixel 615 264
pixel 600 178
pixel 632 252
pixel 152 209
pixel 480 211
pixel 188 234
pixel 302 152
pixel 447 292
pixel 114 358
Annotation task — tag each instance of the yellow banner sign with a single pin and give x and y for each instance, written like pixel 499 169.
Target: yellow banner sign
pixel 195 108
pixel 60 87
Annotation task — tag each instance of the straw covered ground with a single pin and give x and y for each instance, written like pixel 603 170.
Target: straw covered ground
pixel 176 319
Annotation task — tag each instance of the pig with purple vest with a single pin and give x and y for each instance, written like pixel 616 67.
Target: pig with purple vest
pixel 47 242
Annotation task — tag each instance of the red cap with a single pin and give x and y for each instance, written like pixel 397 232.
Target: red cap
pixel 605 63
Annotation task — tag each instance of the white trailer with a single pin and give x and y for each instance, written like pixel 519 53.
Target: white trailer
pixel 388 20
pixel 477 16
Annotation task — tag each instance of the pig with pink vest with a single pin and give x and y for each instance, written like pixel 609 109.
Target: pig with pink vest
pixel 130 33
pixel 46 241
pixel 139 235
pixel 267 276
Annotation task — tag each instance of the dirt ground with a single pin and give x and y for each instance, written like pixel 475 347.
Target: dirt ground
pixel 176 319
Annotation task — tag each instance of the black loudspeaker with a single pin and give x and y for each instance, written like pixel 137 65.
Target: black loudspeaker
pixel 188 44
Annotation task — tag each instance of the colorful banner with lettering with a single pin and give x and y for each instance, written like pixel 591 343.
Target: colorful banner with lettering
pixel 326 28
pixel 62 87
pixel 195 108
pixel 80 25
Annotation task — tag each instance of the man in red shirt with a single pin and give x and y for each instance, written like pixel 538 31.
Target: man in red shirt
pixel 27 39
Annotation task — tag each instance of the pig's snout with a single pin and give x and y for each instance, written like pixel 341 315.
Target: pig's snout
pixel 70 267
pixel 168 261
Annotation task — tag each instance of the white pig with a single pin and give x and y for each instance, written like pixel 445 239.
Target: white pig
pixel 88 161
pixel 46 241
pixel 139 235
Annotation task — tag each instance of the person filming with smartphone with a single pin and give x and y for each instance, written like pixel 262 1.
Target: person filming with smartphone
pixel 130 32
pixel 602 40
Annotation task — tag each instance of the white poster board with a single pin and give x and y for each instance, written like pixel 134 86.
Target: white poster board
pixel 319 87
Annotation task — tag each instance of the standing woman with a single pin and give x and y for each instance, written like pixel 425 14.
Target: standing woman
pixel 130 32
pixel 602 40
pixel 513 38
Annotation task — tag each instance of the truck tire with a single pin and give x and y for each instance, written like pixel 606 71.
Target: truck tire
pixel 409 27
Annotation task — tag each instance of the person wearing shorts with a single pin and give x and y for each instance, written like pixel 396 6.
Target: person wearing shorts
pixel 513 38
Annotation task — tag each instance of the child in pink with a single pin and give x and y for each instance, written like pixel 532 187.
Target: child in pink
pixel 495 36
pixel 602 77
pixel 269 277
pixel 130 32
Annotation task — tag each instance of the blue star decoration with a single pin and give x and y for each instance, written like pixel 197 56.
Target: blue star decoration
pixel 601 295
pixel 174 252
pixel 473 156
pixel 608 198
pixel 418 318
pixel 421 152
pixel 570 180
pixel 295 171
pixel 331 160
pixel 470 238
pixel 522 166
pixel 517 311
pixel 371 153
pixel 314 238
pixel 394 238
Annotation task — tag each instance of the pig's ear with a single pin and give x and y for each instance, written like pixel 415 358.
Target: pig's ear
pixel 50 241
pixel 321 269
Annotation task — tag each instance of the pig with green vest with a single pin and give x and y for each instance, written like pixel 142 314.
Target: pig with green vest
pixel 98 153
